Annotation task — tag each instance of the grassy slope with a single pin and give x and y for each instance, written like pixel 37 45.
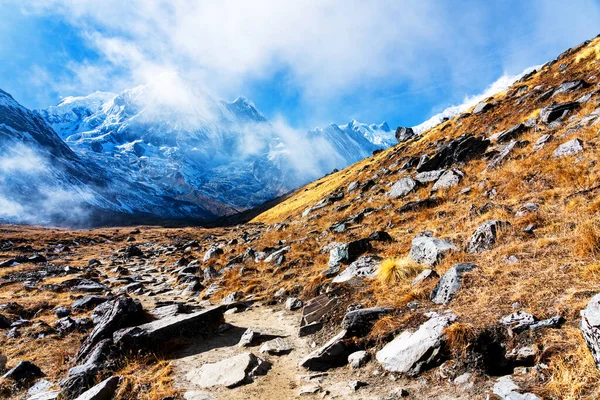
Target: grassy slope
pixel 558 268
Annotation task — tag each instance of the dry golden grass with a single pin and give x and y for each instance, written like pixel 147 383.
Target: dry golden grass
pixel 393 271
pixel 146 378
pixel 556 269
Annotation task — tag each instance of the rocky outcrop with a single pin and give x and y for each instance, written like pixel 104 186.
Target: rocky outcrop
pixel 558 111
pixel 112 316
pixel 461 149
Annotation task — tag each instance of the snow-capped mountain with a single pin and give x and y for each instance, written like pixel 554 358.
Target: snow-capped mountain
pixel 354 140
pixel 174 140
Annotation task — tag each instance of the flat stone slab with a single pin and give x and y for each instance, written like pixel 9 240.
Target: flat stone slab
pixel 231 372
pixel 152 334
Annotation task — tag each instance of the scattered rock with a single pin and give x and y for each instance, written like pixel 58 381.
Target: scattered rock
pixel 569 148
pixel 24 372
pixel 518 321
pixel 429 250
pixel 541 142
pixel 231 372
pixel 450 283
pixel 355 385
pixel 358 359
pixel 364 267
pixel 277 346
pixel 482 107
pixel 249 337
pixel 485 236
pixel 347 252
pixel 448 179
pixel 381 236
pixel 461 149
pixel 402 188
pixel 3 360
pixel 555 112
pixel 332 354
pixel 590 327
pixel 429 176
pixel 413 352
pixel 213 252
pixel 554 322
pixel 424 275
pixel 506 389
pixel 293 303
pixel 102 391
pixel 109 317
pixel 359 322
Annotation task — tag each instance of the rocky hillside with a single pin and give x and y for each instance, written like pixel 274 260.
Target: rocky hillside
pixel 461 263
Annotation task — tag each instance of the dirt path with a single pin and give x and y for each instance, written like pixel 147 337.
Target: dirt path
pixel 285 377
pixel 280 381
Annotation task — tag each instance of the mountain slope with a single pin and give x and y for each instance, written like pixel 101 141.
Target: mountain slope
pixel 518 198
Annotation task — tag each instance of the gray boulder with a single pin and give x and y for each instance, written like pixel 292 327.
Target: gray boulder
pixel 429 176
pixel 450 283
pixel 231 372
pixel 293 303
pixel 316 308
pixel 403 134
pixel 429 250
pixel 348 252
pixel 556 112
pixel 23 372
pixel 358 359
pixel 482 107
pixel 448 179
pixel 364 267
pixel 332 354
pixel 590 327
pixel 461 149
pixel 109 317
pixel 359 322
pixel 102 391
pixel 485 236
pixel 412 352
pixel 213 252
pixel 402 187
pixel 569 148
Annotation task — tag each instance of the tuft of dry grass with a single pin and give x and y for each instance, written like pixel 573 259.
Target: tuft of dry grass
pixel 394 271
pixel 587 239
pixel 459 337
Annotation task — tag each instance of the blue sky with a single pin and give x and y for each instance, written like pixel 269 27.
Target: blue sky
pixel 309 63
